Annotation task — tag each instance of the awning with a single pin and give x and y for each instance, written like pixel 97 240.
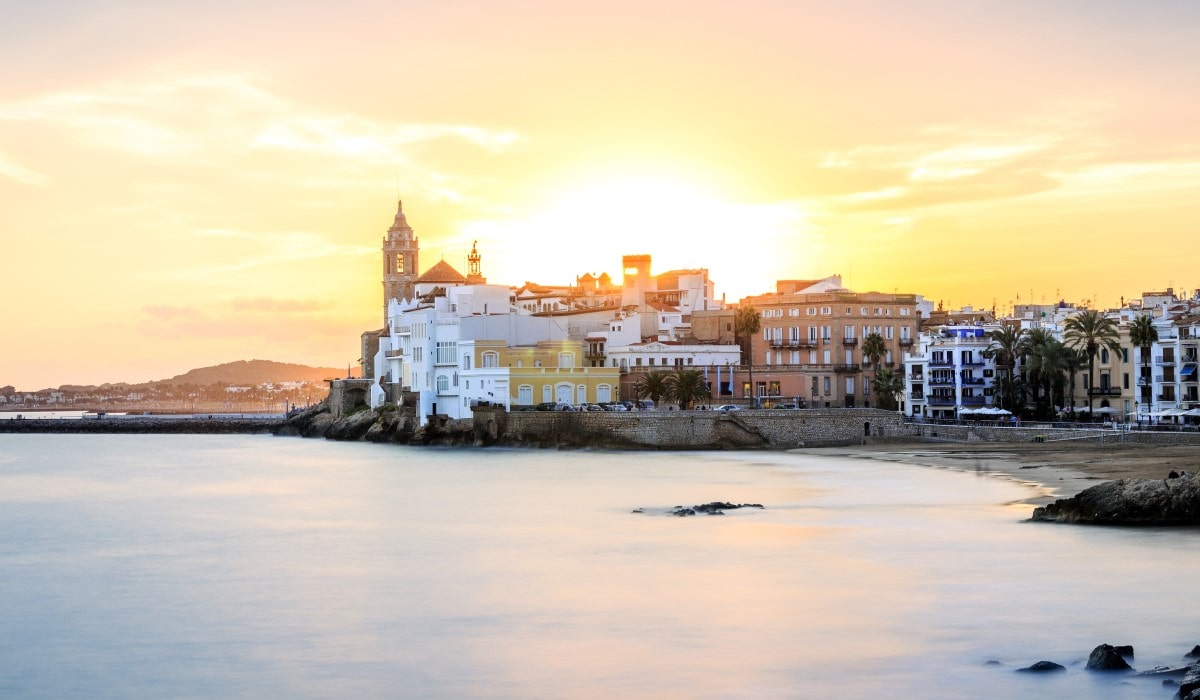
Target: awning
pixel 1188 370
pixel 1105 409
pixel 1172 412
pixel 1194 413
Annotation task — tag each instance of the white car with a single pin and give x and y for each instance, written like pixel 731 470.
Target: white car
pixel 728 407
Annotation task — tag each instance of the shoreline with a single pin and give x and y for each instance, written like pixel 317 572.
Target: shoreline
pixel 1054 471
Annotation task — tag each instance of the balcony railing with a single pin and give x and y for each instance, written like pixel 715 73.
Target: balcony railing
pixel 1104 391
pixel 941 381
pixel 850 341
pixel 974 400
pixel 976 381
pixel 941 363
pixel 1160 360
pixel 941 400
pixel 395 354
pixel 794 344
pixel 846 369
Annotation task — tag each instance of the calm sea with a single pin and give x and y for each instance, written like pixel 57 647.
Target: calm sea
pixel 261 567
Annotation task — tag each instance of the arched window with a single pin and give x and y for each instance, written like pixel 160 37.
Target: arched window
pixel 400 263
pixel 491 359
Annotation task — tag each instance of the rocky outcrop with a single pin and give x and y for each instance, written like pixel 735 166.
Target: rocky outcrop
pixel 1130 502
pixel 1106 657
pixel 1043 667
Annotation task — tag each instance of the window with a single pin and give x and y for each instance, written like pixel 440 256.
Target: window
pixel 878 311
pixel 491 359
pixel 566 360
pixel 446 351
pixel 1125 380
pixel 443 383
pixel 826 311
pixel 1104 356
pixel 810 311
pixel 794 334
pixel 905 311
pixel 888 332
pixel 849 386
pixel 546 395
pixel 849 356
pixel 637 362
pixel 768 357
pixel 466 362
pixel 795 358
pixel 862 311
pixel 793 312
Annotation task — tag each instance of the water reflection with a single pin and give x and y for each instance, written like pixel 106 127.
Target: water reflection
pixel 247 565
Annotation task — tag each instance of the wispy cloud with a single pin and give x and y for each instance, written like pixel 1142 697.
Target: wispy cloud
pixel 20 173
pixel 214 116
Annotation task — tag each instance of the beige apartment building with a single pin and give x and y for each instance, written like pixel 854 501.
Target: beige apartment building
pixel 809 345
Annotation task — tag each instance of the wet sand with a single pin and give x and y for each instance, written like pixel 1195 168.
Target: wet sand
pixel 1058 471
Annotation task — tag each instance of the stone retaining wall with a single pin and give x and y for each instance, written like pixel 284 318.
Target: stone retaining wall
pixel 994 433
pixel 701 429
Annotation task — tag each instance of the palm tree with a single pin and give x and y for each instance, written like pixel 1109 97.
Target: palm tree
pixel 1072 360
pixel 1005 349
pixel 652 386
pixel 1143 334
pixel 1051 360
pixel 1088 330
pixel 1029 351
pixel 746 324
pixel 874 348
pixel 888 383
pixel 685 386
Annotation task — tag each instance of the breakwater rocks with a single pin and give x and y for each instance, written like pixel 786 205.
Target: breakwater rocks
pixel 141 424
pixel 1171 501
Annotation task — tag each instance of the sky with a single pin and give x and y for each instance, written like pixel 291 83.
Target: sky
pixel 184 185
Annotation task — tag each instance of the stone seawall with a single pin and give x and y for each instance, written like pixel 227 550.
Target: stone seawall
pixel 140 425
pixel 772 429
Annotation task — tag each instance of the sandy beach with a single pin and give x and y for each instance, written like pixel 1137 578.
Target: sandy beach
pixel 1059 471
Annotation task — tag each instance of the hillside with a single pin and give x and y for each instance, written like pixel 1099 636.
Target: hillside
pixel 253 372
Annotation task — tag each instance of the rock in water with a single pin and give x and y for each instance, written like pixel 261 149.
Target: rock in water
pixel 1106 658
pixel 1042 667
pixel 1130 502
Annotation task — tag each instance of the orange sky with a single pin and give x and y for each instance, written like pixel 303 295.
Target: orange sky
pixel 184 187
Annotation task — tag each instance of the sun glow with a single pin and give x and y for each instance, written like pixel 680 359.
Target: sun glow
pixel 584 226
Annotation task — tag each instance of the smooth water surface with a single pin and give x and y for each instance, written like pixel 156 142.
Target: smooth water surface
pixel 254 566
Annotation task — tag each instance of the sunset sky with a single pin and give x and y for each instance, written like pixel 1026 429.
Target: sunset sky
pixel 187 184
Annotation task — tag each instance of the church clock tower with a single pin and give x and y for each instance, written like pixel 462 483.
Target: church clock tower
pixel 399 261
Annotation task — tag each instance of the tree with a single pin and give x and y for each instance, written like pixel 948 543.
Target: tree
pixel 874 348
pixel 685 387
pixel 1072 360
pixel 746 324
pixel 1143 334
pixel 1089 330
pixel 652 386
pixel 1029 351
pixel 1005 349
pixel 887 384
pixel 1051 360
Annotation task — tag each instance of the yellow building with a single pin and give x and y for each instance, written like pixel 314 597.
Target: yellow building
pixel 551 371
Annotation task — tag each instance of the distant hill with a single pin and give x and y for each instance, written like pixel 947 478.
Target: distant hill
pixel 253 372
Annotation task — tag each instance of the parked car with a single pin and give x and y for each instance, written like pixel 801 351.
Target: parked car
pixel 728 407
pixel 546 406
pixel 645 405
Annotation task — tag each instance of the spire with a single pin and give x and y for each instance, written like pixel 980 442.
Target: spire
pixel 474 275
pixel 401 221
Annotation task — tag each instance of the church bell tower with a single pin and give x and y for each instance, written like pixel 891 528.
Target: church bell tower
pixel 399 261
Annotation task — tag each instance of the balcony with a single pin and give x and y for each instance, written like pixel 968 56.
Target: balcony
pixel 395 354
pixel 794 344
pixel 973 381
pixel 906 342
pixel 974 400
pixel 935 380
pixel 941 363
pixel 917 377
pixel 846 369
pixel 1105 391
pixel 1164 361
pixel 849 342
pixel 941 400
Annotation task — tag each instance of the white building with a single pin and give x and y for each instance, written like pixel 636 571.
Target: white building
pixel 949 374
